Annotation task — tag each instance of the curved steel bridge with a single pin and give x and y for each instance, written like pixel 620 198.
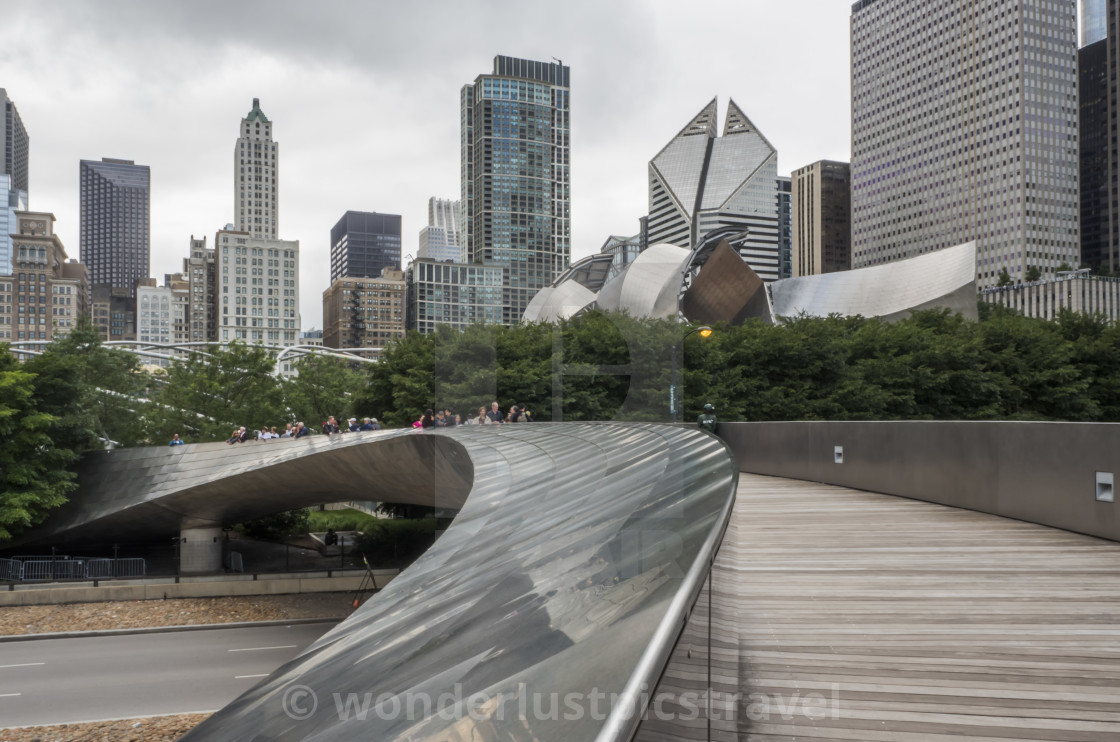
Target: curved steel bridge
pixel 567 577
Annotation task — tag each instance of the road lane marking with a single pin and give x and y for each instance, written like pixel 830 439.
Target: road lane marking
pixel 25 664
pixel 9 695
pixel 258 649
pixel 262 675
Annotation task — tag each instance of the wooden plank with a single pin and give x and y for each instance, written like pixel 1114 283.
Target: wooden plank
pixel 846 615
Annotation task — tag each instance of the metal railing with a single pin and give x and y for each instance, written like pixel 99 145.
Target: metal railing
pixel 47 569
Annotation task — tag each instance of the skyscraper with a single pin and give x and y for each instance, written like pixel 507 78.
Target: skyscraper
pixel 13 177
pixel 785 227
pixel 1099 104
pixel 822 224
pixel 255 168
pixel 11 201
pixel 964 127
pixel 363 243
pixel 115 222
pixel 515 175
pixel 1098 219
pixel 1094 21
pixel 440 240
pixel 700 181
pixel 14 155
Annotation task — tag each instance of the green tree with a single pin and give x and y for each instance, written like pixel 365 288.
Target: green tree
pixel 402 384
pixel 94 392
pixel 215 390
pixel 324 386
pixel 1004 278
pixel 1034 273
pixel 33 474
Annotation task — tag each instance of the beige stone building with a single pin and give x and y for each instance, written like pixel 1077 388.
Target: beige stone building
pixel 46 293
pixel 364 312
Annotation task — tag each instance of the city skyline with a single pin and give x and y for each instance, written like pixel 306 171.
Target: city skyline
pixel 377 129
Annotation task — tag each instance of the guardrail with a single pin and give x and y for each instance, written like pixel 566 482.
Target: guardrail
pixel 47 569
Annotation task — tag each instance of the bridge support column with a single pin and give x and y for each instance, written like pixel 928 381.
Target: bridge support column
pixel 200 550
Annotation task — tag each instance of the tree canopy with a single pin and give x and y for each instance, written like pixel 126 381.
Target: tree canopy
pixel 79 395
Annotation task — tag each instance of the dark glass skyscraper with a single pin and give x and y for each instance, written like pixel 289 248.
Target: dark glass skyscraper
pixel 115 229
pixel 364 242
pixel 515 173
pixel 1093 106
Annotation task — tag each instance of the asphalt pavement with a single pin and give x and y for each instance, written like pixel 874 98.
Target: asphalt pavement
pixel 58 681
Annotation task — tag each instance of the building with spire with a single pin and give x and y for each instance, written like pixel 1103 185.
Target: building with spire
pixel 255 191
pixel 256 274
pixel 701 181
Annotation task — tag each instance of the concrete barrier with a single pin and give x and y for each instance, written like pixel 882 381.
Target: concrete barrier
pixel 190 587
pixel 1040 472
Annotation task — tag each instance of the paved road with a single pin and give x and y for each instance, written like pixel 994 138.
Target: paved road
pixel 55 681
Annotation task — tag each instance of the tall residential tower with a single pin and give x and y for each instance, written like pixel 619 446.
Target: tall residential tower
pixel 515 174
pixel 115 243
pixel 964 128
pixel 255 194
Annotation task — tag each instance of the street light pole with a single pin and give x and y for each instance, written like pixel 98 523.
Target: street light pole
pixel 674 400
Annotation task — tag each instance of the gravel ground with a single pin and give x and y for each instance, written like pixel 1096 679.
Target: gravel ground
pixel 39 619
pixel 153 729
pixel 35 619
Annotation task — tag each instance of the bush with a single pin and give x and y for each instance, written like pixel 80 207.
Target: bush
pixel 339 520
pixel 276 527
pixel 397 542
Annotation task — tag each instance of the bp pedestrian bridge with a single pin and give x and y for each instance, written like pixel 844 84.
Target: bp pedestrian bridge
pixel 608 581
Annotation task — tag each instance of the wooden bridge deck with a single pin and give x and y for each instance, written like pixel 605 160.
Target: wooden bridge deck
pixel 846 615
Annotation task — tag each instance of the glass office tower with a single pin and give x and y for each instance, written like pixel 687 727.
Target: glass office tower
pixel 515 176
pixel 964 127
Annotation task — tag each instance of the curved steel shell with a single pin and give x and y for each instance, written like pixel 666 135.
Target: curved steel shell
pixel 944 278
pixel 568 574
pixel 649 286
pixel 158 491
pixel 554 303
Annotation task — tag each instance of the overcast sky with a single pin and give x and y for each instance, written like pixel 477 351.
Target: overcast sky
pixel 364 97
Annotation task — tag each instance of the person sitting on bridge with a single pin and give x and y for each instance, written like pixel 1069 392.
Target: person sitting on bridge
pixel 331 538
pixel 367 424
pixel 301 430
pixel 176 440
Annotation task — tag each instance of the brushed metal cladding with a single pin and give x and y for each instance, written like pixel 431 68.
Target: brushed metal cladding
pixel 154 492
pixel 559 302
pixel 568 574
pixel 726 290
pixel 942 278
pixel 649 286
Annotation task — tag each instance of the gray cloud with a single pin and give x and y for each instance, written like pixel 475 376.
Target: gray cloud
pixel 365 100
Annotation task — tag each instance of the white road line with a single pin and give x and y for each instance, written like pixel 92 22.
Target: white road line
pixel 9 695
pixel 258 649
pixel 25 664
pixel 262 675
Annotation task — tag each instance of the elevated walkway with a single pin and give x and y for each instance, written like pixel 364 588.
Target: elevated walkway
pixel 838 614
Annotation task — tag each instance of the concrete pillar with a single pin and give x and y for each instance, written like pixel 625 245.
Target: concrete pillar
pixel 200 550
